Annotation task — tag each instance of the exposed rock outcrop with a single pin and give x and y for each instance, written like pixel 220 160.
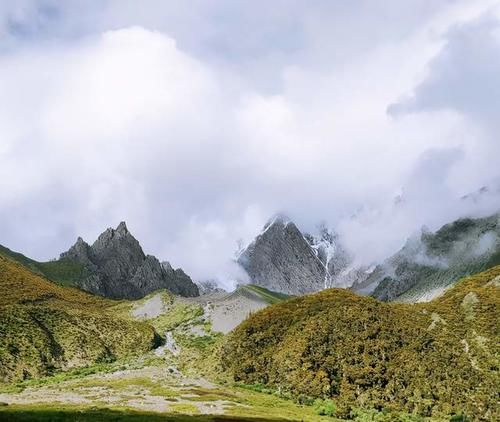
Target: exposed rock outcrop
pixel 281 259
pixel 208 287
pixel 431 262
pixel 119 269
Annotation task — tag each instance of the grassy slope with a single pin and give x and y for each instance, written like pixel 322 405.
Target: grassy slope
pixel 437 359
pixel 195 359
pixel 181 316
pixel 266 295
pixel 63 271
pixel 45 327
pixel 106 415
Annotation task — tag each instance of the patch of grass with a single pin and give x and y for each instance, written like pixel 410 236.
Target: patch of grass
pixel 178 314
pixel 261 388
pixel 59 377
pixel 127 384
pixel 201 343
pixel 265 294
pixel 325 407
pixel 62 271
pixel 209 394
pixel 184 408
pixel 83 414
pixel 258 404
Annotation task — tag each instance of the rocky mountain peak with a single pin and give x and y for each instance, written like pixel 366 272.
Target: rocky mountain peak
pixel 281 259
pixel 118 243
pixel 122 228
pixel 120 269
pixel 80 251
pixel 167 267
pixel 278 219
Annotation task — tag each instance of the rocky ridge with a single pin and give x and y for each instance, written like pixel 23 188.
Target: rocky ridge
pixel 119 269
pixel 283 259
pixel 429 263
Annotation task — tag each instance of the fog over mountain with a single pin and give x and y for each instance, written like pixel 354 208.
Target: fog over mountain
pixel 195 129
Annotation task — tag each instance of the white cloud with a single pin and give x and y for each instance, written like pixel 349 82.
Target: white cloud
pixel 173 120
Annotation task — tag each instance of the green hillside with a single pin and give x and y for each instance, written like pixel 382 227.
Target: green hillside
pixel 264 294
pixel 45 327
pixel 436 359
pixel 62 271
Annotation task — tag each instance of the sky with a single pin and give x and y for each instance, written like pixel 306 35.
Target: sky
pixel 197 121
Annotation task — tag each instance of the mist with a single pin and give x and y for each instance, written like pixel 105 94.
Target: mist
pixel 197 137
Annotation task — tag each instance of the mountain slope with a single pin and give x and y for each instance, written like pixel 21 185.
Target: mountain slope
pixel 431 262
pixel 118 268
pixel 281 259
pixel 46 327
pixel 115 266
pixel 63 271
pixel 433 359
pixel 284 259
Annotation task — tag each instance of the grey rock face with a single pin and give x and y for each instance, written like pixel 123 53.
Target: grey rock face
pixel 119 269
pixel 181 282
pixel 431 262
pixel 208 287
pixel 282 260
pixel 80 252
pixel 337 261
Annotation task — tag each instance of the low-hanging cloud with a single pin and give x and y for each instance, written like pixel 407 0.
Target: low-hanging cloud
pixel 114 115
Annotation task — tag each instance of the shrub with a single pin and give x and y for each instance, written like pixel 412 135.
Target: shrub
pixel 325 407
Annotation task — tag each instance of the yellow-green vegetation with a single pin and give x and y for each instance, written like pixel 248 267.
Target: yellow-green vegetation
pixel 185 408
pixel 70 414
pixel 437 359
pixel 178 314
pixel 266 295
pixel 45 327
pixel 62 271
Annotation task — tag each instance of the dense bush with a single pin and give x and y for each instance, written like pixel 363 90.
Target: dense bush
pixel 45 327
pixel 325 407
pixel 433 359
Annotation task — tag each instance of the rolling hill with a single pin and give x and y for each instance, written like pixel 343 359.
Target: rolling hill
pixel 45 327
pixel 435 359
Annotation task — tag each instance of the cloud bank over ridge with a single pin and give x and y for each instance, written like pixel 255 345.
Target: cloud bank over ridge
pixel 195 125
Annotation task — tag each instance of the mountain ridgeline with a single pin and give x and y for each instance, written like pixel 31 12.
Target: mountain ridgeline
pixel 430 263
pixel 283 259
pixel 116 267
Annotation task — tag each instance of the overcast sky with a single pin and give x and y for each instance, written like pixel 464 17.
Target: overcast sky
pixel 195 121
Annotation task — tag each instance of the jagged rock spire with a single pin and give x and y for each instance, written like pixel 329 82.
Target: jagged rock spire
pixel 120 269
